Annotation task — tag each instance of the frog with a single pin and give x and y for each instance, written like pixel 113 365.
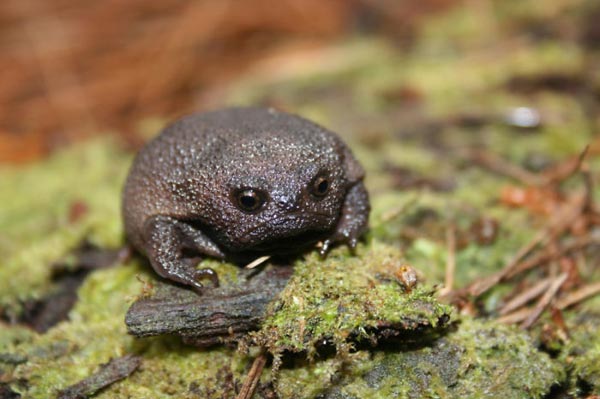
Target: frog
pixel 239 183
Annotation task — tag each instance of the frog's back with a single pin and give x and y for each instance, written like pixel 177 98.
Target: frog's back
pixel 197 145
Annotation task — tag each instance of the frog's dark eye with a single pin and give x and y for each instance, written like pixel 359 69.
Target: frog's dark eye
pixel 320 186
pixel 249 200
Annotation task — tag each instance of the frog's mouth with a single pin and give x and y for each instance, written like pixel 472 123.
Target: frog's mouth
pixel 294 233
pixel 290 244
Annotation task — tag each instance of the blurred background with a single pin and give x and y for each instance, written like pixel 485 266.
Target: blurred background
pixel 73 69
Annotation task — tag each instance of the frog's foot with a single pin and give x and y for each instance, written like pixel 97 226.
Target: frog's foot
pixel 184 273
pixel 350 241
pixel 353 221
pixel 168 240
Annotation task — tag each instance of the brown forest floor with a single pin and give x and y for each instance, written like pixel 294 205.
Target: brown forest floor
pixel 72 69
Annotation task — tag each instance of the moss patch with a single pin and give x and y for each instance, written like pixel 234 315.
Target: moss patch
pixel 477 360
pixel 48 210
pixel 581 354
pixel 343 296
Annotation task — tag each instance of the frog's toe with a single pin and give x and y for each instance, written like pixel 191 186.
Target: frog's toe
pixel 352 242
pixel 207 274
pixel 325 247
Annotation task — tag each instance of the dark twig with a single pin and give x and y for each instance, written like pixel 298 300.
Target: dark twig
pixel 207 319
pixel 566 169
pixel 253 377
pixel 559 321
pixel 111 372
pixel 588 182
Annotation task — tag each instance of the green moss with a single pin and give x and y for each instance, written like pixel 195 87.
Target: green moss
pixel 475 361
pixel 95 333
pixel 501 361
pixel 341 296
pixel 71 350
pixel 581 353
pixel 309 380
pixel 36 218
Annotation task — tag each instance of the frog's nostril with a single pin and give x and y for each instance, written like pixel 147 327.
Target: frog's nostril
pixel 288 202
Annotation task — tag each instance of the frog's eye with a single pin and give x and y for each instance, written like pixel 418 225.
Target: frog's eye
pixel 320 186
pixel 249 199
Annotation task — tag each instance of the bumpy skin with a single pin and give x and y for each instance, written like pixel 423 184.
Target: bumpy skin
pixel 181 198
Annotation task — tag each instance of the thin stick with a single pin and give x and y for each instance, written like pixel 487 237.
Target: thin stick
pixel 450 259
pixel 566 169
pixel 478 287
pixel 253 377
pixel 559 223
pixel 521 299
pixel 548 256
pixel 503 167
pixel 544 301
pixel 579 295
pixel 257 261
pixel 399 210
pixel 588 181
pixel 515 317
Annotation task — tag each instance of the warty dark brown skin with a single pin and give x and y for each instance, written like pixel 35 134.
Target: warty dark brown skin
pixel 239 183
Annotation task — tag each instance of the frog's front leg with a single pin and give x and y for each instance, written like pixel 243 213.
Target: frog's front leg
pixel 353 220
pixel 168 243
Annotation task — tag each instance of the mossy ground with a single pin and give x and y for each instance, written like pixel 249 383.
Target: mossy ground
pixel 459 65
pixel 342 296
pixel 477 360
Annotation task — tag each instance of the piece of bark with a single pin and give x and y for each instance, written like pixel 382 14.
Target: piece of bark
pixel 219 314
pixel 111 372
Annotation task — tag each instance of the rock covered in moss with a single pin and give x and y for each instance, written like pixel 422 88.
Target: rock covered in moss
pixel 478 359
pixel 348 298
